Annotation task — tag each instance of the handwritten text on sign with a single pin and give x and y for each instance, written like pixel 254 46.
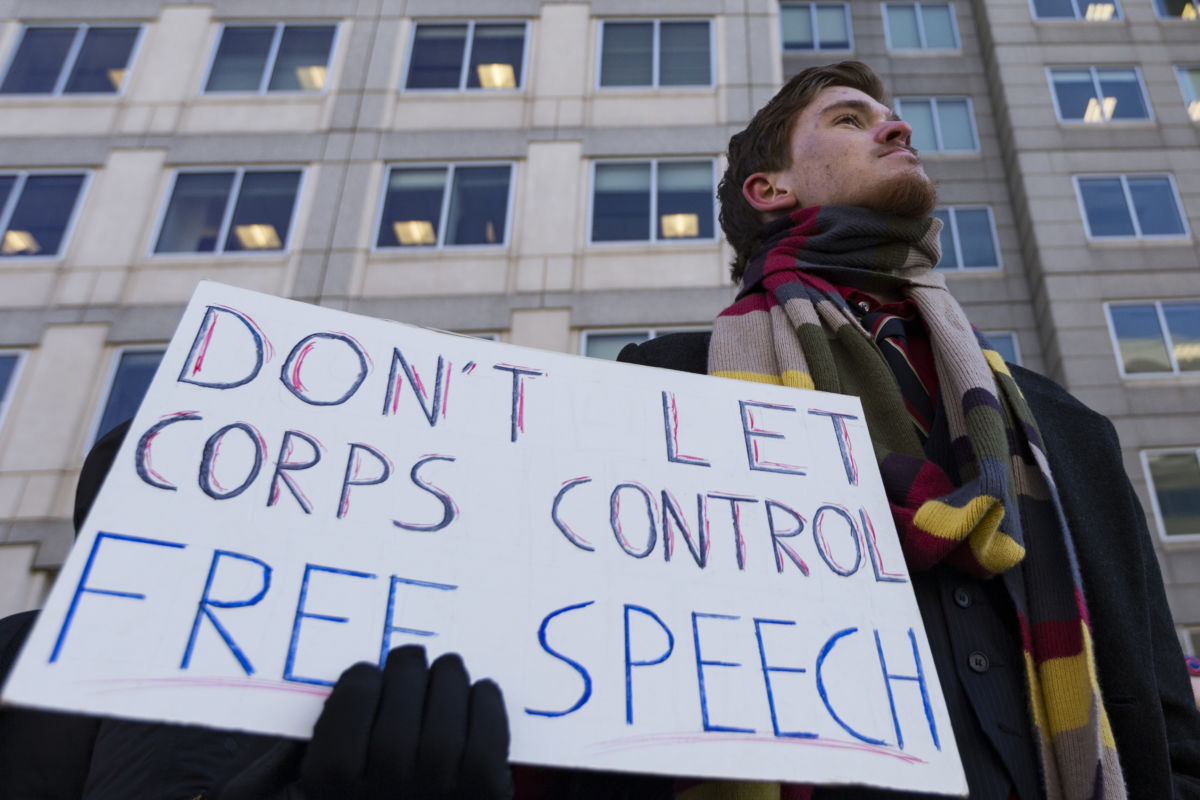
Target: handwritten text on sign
pixel 664 572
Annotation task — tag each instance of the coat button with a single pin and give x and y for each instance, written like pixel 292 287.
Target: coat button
pixel 978 662
pixel 962 598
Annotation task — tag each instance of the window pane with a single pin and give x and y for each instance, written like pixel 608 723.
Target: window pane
pixel 412 208
pixel 685 200
pixel 302 60
pixel 684 57
pixel 1005 344
pixel 240 60
pixel 609 345
pixel 939 26
pixel 1122 86
pixel 1140 339
pixel 1185 9
pixel 1189 84
pixel 437 57
pixel 129 385
pixel 1105 207
pixel 975 236
pixel 954 120
pixel 902 27
pixel 1183 321
pixel 796 22
pixel 100 67
pixel 949 259
pixel 627 56
pixel 263 212
pixel 8 367
pixel 1154 203
pixel 38 61
pixel 6 184
pixel 1176 479
pixel 496 57
pixel 832 30
pixel 41 215
pixel 621 203
pixel 1076 93
pixel 478 205
pixel 919 115
pixel 1049 9
pixel 193 220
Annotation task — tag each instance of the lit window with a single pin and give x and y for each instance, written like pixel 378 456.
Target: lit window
pixel 815 26
pixel 1098 94
pixel 10 365
pixel 1090 10
pixel 1156 338
pixel 271 58
pixel 1193 641
pixel 640 201
pixel 1189 84
pixel 72 59
pixel 36 209
pixel 1004 343
pixel 609 344
pixel 940 124
pixel 1178 9
pixel 655 53
pixel 224 211
pixel 1130 206
pixel 445 206
pixel 132 372
pixel 467 55
pixel 1174 480
pixel 968 238
pixel 920 26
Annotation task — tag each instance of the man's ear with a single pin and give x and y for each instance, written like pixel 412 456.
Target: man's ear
pixel 766 196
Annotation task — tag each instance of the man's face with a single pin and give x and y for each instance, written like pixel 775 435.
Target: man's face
pixel 849 149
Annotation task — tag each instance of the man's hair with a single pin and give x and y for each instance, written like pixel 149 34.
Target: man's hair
pixel 764 146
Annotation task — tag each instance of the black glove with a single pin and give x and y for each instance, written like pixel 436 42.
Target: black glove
pixel 407 733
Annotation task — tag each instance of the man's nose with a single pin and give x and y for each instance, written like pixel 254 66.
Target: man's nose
pixel 895 131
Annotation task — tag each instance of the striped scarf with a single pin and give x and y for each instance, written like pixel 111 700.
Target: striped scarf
pixel 994 510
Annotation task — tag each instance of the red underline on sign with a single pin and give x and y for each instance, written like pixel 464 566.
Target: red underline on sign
pixel 666 739
pixel 110 685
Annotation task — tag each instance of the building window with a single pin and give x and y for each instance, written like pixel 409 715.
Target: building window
pixel 920 26
pixel 1130 206
pixel 1090 10
pixel 1189 84
pixel 1005 343
pixel 1178 9
pixel 10 367
pixel 225 211
pixel 1174 480
pixel 271 58
pixel 1191 642
pixel 131 375
pixel 656 53
pixel 1098 94
pixel 467 55
pixel 70 59
pixel 609 344
pixel 815 26
pixel 968 238
pixel 1156 338
pixel 940 124
pixel 644 201
pixel 446 206
pixel 36 210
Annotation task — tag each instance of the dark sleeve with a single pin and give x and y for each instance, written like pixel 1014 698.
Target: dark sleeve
pixel 687 352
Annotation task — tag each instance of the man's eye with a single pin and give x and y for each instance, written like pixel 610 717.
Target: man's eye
pixel 850 118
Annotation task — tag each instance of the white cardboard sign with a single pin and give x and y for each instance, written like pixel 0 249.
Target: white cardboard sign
pixel 664 572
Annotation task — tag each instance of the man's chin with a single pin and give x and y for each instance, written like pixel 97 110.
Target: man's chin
pixel 909 195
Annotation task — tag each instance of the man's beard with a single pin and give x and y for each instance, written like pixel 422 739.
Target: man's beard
pixel 909 195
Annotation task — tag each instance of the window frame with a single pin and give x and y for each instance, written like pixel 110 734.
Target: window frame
pixel 466 58
pixel 1099 94
pixel 653 239
pixel 235 189
pixel 1164 332
pixel 887 31
pixel 937 125
pixel 504 245
pixel 1180 71
pixel 656 56
pixel 1117 16
pixel 110 377
pixel 811 5
pixel 72 57
pixel 272 54
pixel 651 333
pixel 10 205
pixel 960 269
pixel 1195 5
pixel 9 391
pixel 1137 226
pixel 1160 527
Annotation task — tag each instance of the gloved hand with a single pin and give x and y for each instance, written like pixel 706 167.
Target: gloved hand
pixel 406 733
